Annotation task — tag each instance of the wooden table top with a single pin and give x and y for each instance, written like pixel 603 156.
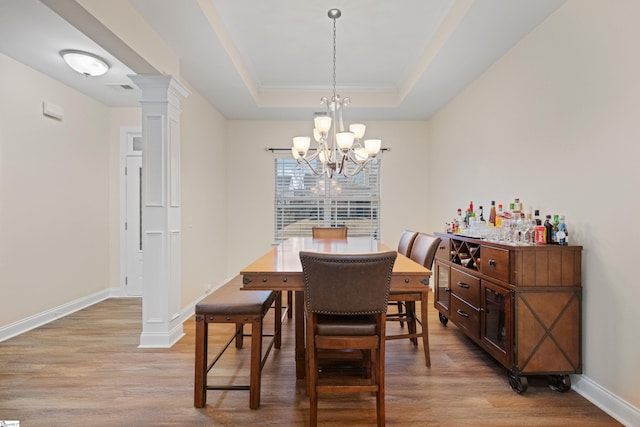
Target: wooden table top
pixel 280 267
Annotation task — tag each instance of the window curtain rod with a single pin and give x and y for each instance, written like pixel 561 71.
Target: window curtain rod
pixel 274 150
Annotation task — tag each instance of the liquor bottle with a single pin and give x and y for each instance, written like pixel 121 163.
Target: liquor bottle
pixel 548 230
pixel 562 234
pixel 492 214
pixel 459 221
pixel 517 208
pixel 554 230
pixel 499 216
pixel 536 217
pixel 481 219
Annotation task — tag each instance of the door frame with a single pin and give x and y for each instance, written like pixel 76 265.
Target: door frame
pixel 126 132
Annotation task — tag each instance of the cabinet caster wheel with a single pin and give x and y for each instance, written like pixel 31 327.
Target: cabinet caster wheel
pixel 443 319
pixel 560 383
pixel 518 384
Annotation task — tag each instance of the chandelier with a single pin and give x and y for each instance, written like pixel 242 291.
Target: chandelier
pixel 339 151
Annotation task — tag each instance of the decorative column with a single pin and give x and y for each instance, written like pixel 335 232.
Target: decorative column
pixel 160 205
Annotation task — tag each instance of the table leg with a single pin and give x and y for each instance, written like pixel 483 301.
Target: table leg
pixel 300 342
pixel 424 301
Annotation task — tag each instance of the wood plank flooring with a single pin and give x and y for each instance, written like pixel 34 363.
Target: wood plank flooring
pixel 86 370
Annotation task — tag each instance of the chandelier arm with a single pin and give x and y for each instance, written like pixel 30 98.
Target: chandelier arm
pixel 315 172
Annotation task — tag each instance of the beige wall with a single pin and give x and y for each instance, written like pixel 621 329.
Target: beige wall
pixel 54 218
pixel 556 122
pixel 250 191
pixel 203 184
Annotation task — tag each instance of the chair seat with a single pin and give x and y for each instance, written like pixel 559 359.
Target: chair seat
pixel 359 325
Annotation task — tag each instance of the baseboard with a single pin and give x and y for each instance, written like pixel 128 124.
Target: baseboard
pixel 32 322
pixel 613 405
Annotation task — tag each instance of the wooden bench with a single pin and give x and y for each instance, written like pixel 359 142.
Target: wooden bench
pixel 230 304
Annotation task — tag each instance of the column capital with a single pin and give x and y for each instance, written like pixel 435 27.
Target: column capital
pixel 157 87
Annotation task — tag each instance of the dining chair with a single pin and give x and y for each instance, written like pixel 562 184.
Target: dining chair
pixel 423 252
pixel 329 232
pixel 345 306
pixel 404 247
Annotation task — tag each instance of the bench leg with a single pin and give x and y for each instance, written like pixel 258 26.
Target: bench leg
pixel 200 381
pixel 256 363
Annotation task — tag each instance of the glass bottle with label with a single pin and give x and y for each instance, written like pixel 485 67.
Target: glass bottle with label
pixel 492 214
pixel 562 234
pixel 499 216
pixel 548 229
pixel 554 230
pixel 536 217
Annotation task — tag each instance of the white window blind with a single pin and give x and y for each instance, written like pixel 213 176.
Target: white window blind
pixel 304 200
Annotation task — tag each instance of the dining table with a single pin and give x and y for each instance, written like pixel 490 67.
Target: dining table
pixel 280 269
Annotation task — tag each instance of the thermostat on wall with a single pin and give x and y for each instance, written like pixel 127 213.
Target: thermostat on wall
pixel 52 110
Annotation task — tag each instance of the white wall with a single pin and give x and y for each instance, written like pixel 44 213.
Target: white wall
pixel 556 122
pixel 54 200
pixel 250 188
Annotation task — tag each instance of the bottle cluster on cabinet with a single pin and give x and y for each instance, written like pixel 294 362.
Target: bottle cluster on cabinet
pixel 511 225
pixel 519 303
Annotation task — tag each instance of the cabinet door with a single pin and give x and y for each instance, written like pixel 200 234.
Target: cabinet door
pixel 442 288
pixel 497 322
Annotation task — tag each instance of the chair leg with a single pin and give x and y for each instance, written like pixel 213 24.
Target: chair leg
pixel 312 377
pixel 256 362
pixel 289 304
pixel 411 319
pixel 380 361
pixel 399 304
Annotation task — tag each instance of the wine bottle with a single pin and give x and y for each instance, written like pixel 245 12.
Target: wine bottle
pixel 536 217
pixel 548 229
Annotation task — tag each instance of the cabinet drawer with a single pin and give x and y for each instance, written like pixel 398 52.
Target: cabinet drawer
pixel 465 317
pixel 466 287
pixel 443 251
pixel 495 263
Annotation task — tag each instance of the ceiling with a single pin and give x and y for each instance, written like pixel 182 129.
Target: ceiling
pixel 257 59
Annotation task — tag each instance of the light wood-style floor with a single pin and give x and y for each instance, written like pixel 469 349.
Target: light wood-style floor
pixel 86 370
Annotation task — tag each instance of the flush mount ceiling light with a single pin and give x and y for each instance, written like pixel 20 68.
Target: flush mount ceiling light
pixel 85 63
pixel 338 151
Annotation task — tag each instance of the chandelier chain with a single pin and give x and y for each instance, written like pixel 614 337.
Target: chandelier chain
pixel 334 58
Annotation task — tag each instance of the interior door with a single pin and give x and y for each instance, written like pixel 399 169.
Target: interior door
pixel 133 229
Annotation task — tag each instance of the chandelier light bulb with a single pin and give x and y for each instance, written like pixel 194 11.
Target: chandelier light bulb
pixel 372 146
pixel 301 144
pixel 358 129
pixel 322 123
pixel 344 140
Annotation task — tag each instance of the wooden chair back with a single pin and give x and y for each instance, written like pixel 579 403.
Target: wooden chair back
pixel 329 232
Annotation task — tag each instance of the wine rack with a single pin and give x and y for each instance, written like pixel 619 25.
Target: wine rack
pixel 465 253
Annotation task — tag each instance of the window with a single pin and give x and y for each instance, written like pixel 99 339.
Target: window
pixel 304 200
